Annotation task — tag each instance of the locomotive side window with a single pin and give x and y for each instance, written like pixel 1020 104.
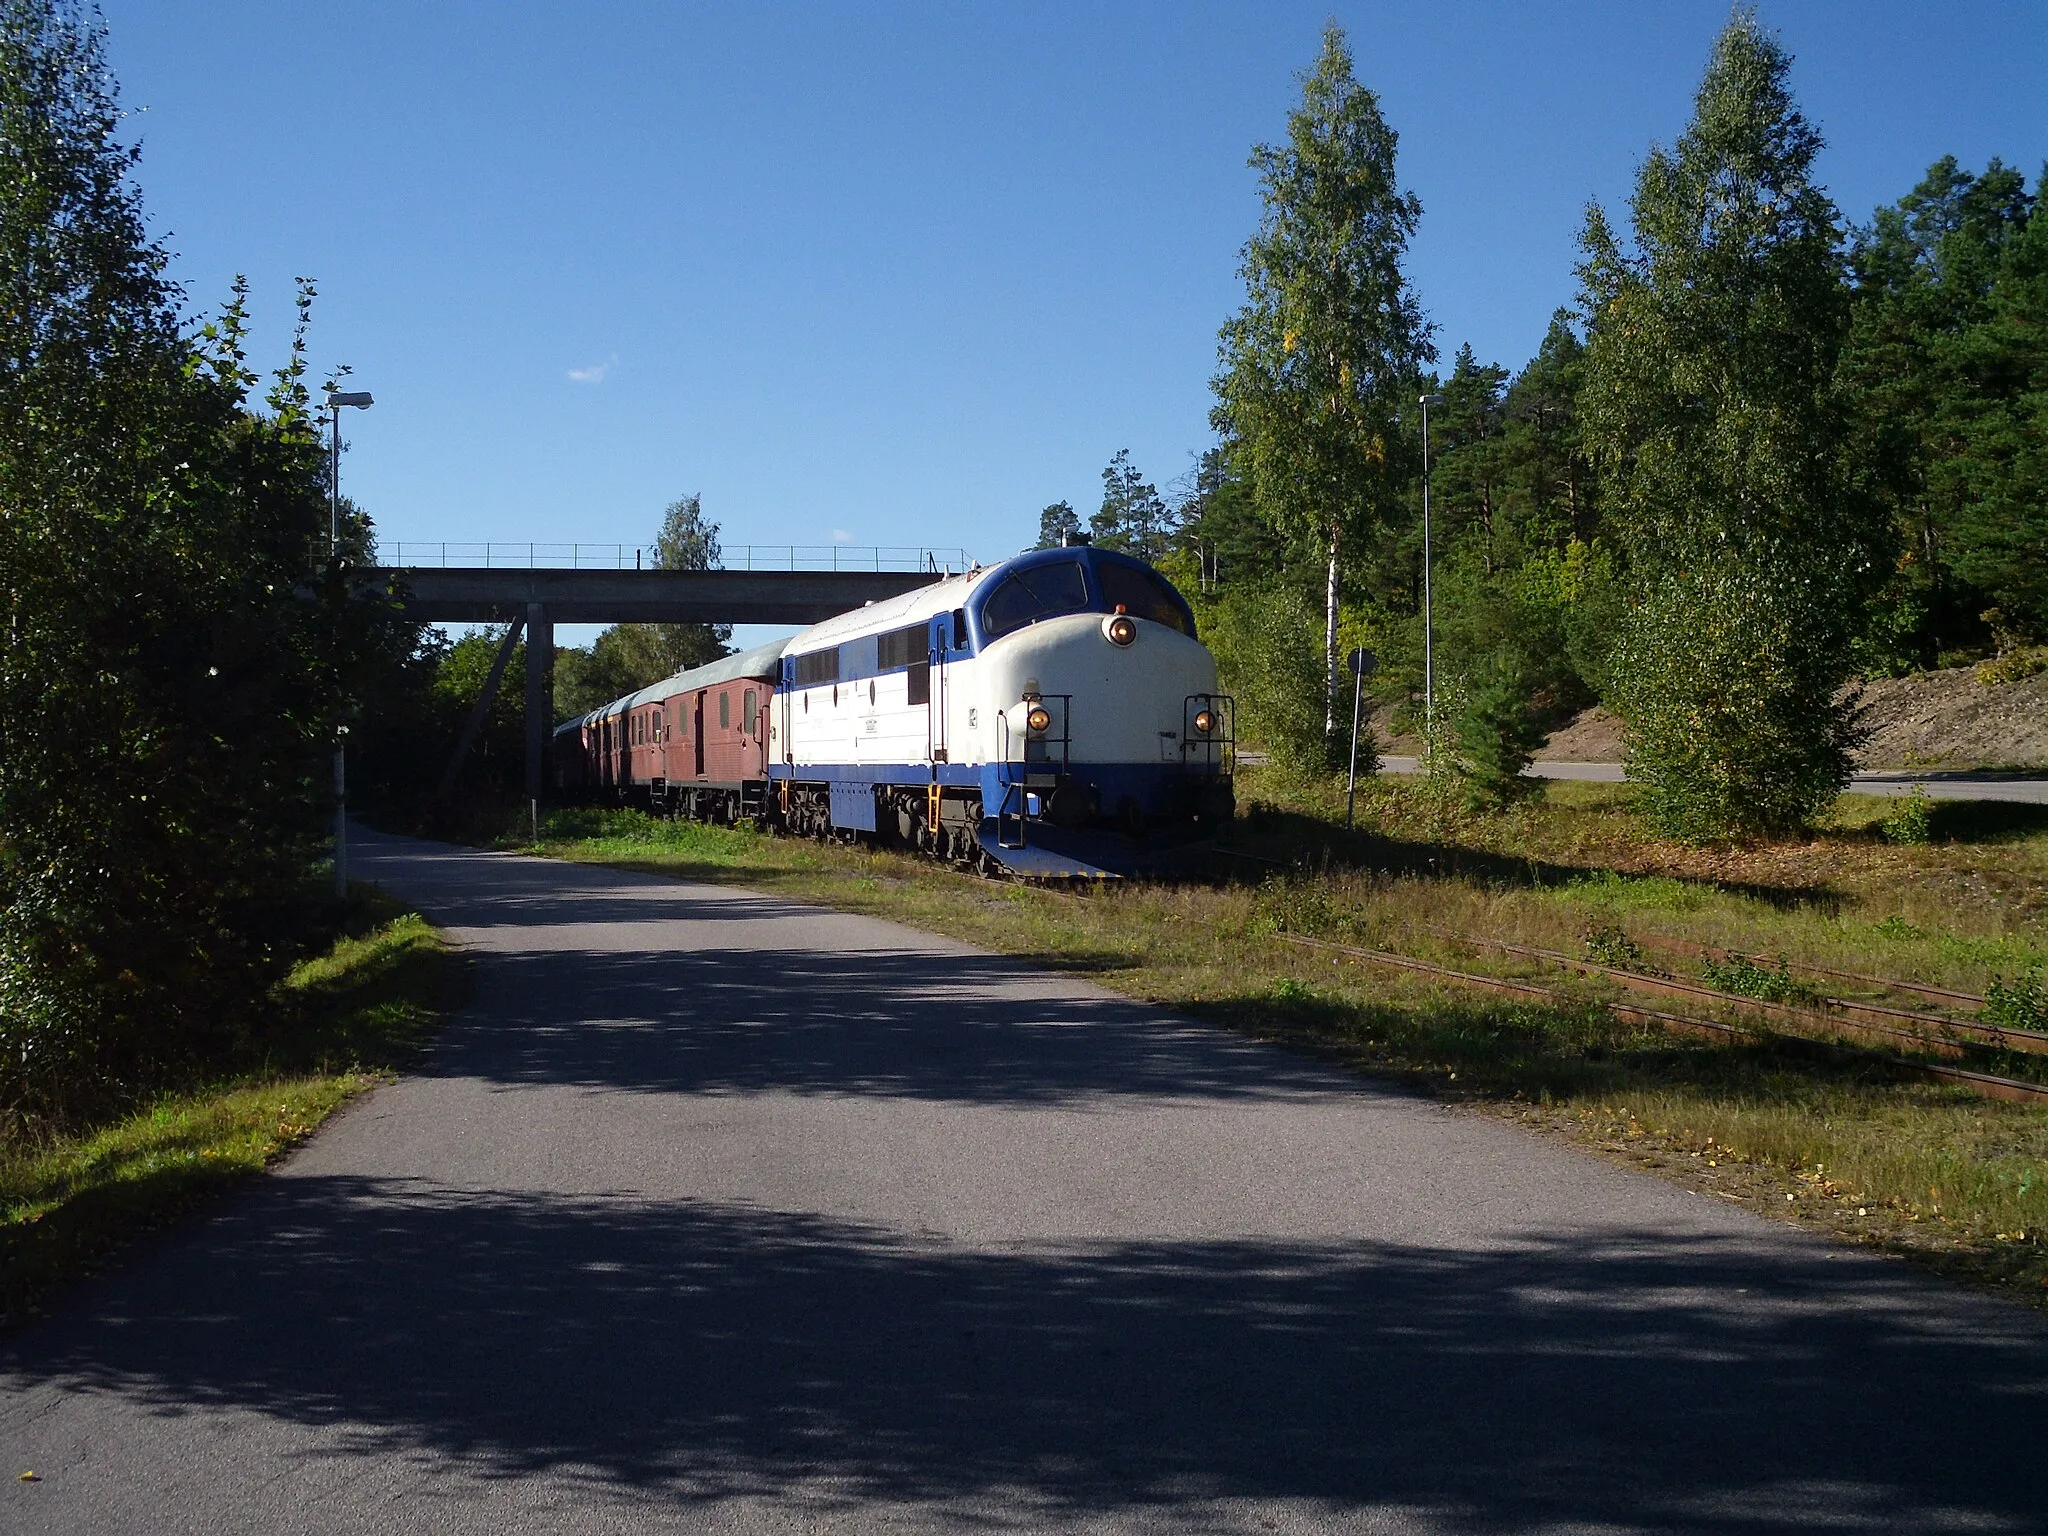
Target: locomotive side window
pixel 920 683
pixel 902 647
pixel 1039 593
pixel 1143 595
pixel 818 667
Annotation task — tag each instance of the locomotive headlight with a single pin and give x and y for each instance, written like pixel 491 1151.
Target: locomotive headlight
pixel 1205 721
pixel 1040 719
pixel 1120 630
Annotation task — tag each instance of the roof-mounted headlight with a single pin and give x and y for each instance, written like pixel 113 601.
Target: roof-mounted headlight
pixel 1120 629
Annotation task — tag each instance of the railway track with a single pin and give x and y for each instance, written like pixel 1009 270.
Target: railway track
pixel 1929 1031
pixel 1697 951
pixel 1985 1084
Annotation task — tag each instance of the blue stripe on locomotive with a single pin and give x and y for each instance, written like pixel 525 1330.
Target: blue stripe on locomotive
pixel 1157 789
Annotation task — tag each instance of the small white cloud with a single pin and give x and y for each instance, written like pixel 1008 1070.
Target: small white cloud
pixel 841 536
pixel 595 373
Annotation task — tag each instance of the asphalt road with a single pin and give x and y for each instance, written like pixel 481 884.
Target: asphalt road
pixel 1953 784
pixel 717 1213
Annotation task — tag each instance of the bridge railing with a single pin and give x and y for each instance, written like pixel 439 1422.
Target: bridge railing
pixel 499 556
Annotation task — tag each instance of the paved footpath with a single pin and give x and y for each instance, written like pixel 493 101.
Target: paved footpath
pixel 717 1213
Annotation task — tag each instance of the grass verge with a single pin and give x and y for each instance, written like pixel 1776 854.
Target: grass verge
pixel 1956 1183
pixel 339 1024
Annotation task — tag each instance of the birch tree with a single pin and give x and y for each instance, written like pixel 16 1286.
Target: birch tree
pixel 1330 343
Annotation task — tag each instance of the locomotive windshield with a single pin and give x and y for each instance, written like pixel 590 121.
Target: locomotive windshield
pixel 1142 594
pixel 1034 594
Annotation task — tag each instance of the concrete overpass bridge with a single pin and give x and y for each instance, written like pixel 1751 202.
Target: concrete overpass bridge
pixel 615 584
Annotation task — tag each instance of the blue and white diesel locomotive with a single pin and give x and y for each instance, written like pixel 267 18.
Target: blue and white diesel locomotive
pixel 1046 715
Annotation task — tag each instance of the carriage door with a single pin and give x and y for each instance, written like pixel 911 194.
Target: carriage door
pixel 697 734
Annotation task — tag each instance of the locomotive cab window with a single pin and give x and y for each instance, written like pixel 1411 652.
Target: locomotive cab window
pixel 1143 595
pixel 1040 593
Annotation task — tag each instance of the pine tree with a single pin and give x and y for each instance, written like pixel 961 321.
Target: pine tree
pixel 1712 407
pixel 1133 518
pixel 1057 525
pixel 1935 367
pixel 1318 364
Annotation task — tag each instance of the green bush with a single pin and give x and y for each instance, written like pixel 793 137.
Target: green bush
pixel 2020 1004
pixel 1913 821
pixel 1268 642
pixel 1746 978
pixel 1726 680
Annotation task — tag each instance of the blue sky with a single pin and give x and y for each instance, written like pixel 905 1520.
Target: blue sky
pixel 903 274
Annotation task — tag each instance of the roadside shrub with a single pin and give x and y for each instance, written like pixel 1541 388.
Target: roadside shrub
pixel 1913 821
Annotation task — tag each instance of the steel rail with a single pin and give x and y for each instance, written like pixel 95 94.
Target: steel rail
pixel 1992 1035
pixel 1695 950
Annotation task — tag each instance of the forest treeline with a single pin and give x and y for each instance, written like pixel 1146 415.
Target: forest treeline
pixel 1859 411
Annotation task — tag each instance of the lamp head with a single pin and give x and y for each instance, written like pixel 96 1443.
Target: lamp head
pixel 361 399
pixel 1431 400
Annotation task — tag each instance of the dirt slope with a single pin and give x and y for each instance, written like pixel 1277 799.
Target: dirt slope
pixel 1943 719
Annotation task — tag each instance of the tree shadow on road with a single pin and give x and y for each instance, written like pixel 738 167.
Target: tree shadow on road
pixel 897 1023
pixel 692 1351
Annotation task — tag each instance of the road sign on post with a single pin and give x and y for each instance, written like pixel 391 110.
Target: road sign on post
pixel 1361 663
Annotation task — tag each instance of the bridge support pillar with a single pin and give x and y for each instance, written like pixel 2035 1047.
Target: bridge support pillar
pixel 540 698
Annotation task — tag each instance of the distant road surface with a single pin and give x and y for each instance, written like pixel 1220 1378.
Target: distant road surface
pixel 1946 785
pixel 717 1213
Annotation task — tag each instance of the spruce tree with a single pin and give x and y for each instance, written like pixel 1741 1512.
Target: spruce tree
pixel 1712 408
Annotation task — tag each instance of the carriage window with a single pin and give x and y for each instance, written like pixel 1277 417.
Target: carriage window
pixel 724 710
pixel 1032 595
pixel 1144 594
pixel 747 713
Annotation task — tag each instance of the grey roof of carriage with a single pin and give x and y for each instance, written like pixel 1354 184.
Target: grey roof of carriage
pixel 761 661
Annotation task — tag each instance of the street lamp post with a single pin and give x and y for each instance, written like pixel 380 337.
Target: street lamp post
pixel 362 401
pixel 1428 609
